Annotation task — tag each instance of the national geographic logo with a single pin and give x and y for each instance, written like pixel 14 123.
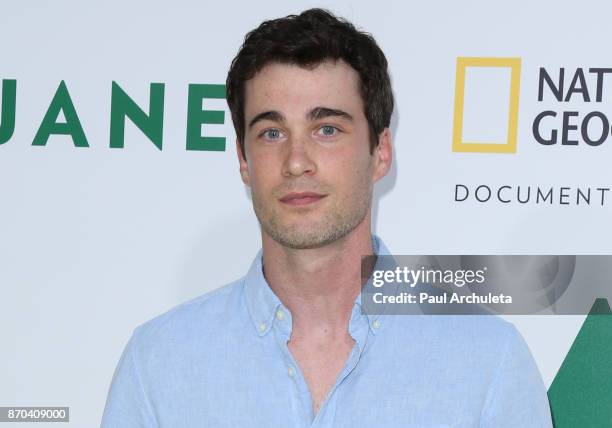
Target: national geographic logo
pixel 504 107
pixel 492 100
pixel 566 126
pixel 486 111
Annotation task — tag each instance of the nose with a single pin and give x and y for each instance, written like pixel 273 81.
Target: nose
pixel 298 160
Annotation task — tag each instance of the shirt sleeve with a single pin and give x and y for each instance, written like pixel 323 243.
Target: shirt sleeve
pixel 127 404
pixel 517 396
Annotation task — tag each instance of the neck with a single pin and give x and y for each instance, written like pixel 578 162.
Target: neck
pixel 319 285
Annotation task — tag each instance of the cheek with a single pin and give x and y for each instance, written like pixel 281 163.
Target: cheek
pixel 262 169
pixel 349 172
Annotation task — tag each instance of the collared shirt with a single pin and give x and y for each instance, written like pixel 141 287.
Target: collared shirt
pixel 221 360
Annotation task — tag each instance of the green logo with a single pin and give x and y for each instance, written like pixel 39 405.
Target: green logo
pixel 150 123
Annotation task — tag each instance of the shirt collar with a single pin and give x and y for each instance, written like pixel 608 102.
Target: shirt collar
pixel 263 304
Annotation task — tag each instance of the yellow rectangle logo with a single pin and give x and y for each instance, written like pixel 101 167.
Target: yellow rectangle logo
pixel 508 146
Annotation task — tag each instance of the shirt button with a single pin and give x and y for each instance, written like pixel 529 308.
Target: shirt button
pixel 291 371
pixel 280 315
pixel 262 326
pixel 376 324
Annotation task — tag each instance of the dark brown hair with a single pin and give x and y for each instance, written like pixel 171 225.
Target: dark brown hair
pixel 308 39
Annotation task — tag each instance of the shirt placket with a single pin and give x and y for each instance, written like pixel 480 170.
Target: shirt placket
pixel 300 395
pixel 358 328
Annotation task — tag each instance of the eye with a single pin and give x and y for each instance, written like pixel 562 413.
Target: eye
pixel 271 134
pixel 328 131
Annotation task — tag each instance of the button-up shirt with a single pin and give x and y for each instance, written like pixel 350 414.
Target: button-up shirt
pixel 222 360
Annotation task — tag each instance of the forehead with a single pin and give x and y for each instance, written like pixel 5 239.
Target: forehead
pixel 291 88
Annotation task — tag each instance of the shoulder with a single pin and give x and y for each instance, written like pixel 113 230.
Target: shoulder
pixel 482 351
pixel 199 317
pixel 469 337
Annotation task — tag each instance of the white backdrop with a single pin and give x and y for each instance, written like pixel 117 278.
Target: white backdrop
pixel 94 240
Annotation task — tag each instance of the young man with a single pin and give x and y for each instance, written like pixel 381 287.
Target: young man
pixel 288 345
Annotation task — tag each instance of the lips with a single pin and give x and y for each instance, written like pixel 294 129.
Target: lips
pixel 301 198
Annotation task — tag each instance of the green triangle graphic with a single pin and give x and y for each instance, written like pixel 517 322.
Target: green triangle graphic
pixel 581 393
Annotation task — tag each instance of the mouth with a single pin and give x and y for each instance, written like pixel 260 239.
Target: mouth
pixel 301 198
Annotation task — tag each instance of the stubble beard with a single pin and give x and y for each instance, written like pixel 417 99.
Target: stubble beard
pixel 337 222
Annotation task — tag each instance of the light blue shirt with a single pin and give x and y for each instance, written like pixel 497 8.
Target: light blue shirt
pixel 221 360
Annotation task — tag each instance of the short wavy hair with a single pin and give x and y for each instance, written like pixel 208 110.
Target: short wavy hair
pixel 306 40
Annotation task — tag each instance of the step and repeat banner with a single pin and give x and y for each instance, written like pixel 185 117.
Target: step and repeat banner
pixel 121 196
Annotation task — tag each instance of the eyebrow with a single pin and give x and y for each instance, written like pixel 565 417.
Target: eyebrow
pixel 314 114
pixel 272 115
pixel 323 112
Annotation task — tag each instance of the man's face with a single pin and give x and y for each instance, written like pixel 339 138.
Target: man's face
pixel 307 143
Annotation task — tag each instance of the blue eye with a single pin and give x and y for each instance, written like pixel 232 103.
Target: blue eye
pixel 328 131
pixel 272 134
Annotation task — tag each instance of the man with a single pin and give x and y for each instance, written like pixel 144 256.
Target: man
pixel 288 344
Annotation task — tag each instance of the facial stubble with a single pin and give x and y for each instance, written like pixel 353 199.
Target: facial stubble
pixel 337 220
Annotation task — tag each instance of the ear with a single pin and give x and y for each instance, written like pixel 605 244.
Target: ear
pixel 244 167
pixel 383 155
